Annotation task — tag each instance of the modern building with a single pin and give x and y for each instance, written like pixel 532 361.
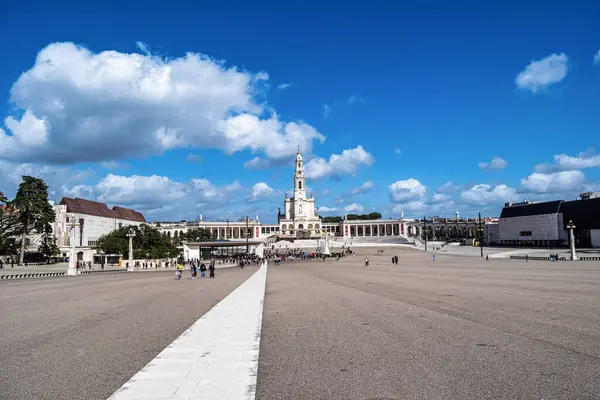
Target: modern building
pixel 545 223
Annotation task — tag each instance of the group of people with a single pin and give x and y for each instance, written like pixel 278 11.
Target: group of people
pixel 196 266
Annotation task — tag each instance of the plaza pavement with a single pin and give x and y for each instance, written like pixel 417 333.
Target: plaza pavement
pixel 454 328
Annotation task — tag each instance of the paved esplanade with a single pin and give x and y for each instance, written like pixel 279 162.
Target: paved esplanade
pixel 75 338
pixel 456 328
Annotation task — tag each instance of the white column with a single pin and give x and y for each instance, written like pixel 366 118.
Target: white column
pixel 130 235
pixel 573 255
pixel 72 270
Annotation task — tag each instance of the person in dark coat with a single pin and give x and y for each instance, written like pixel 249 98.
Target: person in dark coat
pixel 202 270
pixel 212 270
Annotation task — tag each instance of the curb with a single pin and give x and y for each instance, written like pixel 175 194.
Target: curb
pixel 548 258
pixel 32 275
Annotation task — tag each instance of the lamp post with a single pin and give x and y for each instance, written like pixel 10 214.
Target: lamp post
pixel 247 235
pixel 571 227
pixel 72 270
pixel 480 229
pixel 130 235
pixel 425 231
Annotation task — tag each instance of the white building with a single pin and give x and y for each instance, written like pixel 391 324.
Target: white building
pixel 299 219
pixel 545 224
pixel 94 219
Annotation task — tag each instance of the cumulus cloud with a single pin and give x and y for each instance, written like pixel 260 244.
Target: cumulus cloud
pixel 484 194
pixel 407 190
pixel 367 186
pixel 354 208
pixel 563 181
pixel 564 162
pixel 327 209
pixel 440 198
pixel 346 163
pixel 260 191
pixel 80 106
pixel 496 163
pixel 447 187
pixel 597 58
pixel 540 74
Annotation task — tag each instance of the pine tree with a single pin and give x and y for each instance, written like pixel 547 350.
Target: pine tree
pixel 33 211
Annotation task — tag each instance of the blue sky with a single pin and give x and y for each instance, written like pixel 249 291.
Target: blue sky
pixel 180 110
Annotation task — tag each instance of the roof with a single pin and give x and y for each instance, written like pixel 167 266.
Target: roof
pixel 89 207
pixel 525 210
pixel 585 214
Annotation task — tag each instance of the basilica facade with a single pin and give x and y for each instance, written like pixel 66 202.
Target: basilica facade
pixel 299 218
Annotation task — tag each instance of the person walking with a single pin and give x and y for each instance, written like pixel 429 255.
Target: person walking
pixel 179 270
pixel 366 262
pixel 202 270
pixel 212 270
pixel 194 271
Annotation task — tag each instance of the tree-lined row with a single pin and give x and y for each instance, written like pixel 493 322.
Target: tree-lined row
pixel 353 217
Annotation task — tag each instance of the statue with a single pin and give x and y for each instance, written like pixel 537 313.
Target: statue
pixel 323 246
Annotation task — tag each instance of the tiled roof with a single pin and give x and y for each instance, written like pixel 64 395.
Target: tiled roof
pixel 89 207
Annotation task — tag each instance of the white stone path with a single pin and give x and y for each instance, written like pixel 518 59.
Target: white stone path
pixel 216 358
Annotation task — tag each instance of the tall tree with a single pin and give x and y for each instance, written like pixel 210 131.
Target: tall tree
pixel 176 238
pixel 197 235
pixel 33 211
pixel 6 226
pixel 48 246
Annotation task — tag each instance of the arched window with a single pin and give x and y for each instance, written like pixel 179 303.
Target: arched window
pixel 284 226
pixel 316 226
pixel 301 226
pixel 300 209
pixel 310 226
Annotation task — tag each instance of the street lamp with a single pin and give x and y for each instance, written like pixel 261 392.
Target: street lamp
pixel 425 231
pixel 571 227
pixel 72 270
pixel 130 235
pixel 480 229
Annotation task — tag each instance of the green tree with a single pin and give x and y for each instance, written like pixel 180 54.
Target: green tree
pixel 33 211
pixel 176 240
pixel 48 246
pixel 197 235
pixel 332 219
pixel 374 215
pixel 147 243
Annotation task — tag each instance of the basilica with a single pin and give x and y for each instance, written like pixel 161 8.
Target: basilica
pixel 299 219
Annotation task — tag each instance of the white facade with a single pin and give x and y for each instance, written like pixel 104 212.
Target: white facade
pixel 542 229
pixel 492 233
pixel 299 218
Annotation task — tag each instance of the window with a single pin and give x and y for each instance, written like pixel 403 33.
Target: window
pixel 299 184
pixel 92 242
pixel 525 233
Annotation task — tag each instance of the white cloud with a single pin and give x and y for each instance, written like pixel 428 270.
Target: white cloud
pixel 447 187
pixel 597 58
pixel 194 158
pixel 135 189
pixel 397 151
pixel 564 162
pixel 563 181
pixel 260 191
pixel 496 163
pixel 403 191
pixel 346 163
pixel 539 74
pixel 327 209
pixel 111 105
pixel 484 194
pixel 440 198
pixel 365 187
pixel 283 86
pixel 327 110
pixel 354 208
pixel 355 98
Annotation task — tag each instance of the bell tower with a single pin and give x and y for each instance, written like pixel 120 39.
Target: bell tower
pixel 299 180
